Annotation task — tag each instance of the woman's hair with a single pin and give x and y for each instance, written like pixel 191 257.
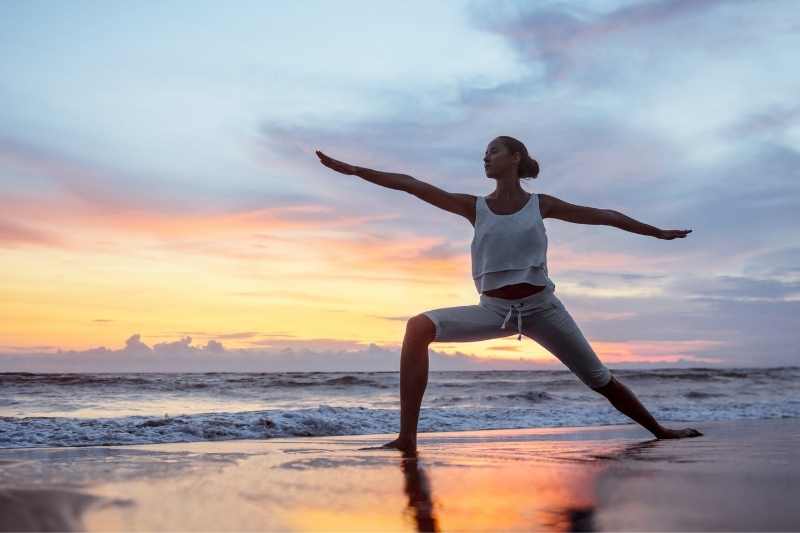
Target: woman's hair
pixel 528 166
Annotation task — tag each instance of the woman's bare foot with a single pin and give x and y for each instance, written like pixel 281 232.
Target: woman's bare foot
pixel 667 433
pixel 402 444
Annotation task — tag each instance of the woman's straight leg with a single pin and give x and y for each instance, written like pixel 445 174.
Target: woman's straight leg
pixel 626 402
pixel 556 330
pixel 552 327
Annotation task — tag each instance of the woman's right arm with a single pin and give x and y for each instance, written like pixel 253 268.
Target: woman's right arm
pixel 460 204
pixel 400 182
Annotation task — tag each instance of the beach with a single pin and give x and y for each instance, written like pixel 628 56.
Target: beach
pixel 741 475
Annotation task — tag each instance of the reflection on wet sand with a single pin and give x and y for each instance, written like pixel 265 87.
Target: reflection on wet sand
pixel 418 490
pixel 36 509
pixel 511 496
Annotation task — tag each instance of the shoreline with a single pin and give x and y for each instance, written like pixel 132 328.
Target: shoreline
pixel 568 428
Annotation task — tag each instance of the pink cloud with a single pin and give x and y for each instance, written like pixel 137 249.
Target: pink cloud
pixel 668 351
pixel 87 184
pixel 13 234
pixel 320 354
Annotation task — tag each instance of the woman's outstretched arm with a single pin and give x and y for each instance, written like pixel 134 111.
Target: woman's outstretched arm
pixel 553 207
pixel 401 182
pixel 460 204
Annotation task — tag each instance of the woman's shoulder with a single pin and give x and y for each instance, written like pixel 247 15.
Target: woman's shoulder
pixel 545 203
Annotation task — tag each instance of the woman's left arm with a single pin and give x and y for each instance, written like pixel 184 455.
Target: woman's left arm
pixel 621 221
pixel 553 207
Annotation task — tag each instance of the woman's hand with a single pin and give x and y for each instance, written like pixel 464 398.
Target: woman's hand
pixel 670 234
pixel 338 166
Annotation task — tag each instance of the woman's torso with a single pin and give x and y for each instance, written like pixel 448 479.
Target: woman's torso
pixel 517 290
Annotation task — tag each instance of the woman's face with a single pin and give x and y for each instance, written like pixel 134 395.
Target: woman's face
pixel 498 161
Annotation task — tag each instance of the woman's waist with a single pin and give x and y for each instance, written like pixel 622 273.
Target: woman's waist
pixel 515 291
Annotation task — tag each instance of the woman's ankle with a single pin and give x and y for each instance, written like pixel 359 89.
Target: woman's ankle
pixel 407 438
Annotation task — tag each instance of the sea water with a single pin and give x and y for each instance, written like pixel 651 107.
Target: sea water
pixel 138 408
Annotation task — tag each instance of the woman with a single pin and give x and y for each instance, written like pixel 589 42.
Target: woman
pixel 509 268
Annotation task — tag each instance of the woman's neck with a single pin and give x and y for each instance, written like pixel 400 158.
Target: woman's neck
pixel 508 191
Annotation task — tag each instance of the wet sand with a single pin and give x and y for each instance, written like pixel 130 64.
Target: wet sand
pixel 740 476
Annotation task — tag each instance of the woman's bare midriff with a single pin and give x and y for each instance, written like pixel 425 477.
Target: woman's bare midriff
pixel 512 292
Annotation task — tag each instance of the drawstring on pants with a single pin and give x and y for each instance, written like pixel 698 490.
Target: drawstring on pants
pixel 519 319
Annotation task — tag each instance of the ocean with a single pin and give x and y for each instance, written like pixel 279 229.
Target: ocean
pixel 47 410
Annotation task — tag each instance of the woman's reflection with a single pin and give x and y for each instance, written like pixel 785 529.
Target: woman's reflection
pixel 557 507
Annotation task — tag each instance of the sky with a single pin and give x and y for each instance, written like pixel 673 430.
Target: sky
pixel 162 208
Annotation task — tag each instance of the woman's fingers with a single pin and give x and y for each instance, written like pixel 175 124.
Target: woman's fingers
pixel 325 159
pixel 338 166
pixel 670 234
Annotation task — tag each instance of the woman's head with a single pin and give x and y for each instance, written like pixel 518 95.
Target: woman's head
pixel 504 154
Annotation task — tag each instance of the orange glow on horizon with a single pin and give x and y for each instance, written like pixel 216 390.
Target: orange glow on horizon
pixel 306 272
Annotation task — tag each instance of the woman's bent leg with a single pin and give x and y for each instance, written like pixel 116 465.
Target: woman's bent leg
pixel 420 332
pixel 413 374
pixel 466 323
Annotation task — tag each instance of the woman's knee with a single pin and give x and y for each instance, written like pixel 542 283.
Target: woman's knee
pixel 605 389
pixel 421 328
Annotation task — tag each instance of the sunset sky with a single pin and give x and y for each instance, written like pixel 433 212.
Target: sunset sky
pixel 162 207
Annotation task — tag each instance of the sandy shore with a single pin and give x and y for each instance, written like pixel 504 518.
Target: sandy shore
pixel 740 476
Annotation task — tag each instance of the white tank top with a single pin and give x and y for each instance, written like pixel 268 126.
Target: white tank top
pixel 509 249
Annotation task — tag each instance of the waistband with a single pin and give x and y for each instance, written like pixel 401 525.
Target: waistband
pixel 519 305
pixel 531 299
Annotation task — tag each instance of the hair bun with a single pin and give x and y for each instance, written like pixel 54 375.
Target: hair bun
pixel 533 169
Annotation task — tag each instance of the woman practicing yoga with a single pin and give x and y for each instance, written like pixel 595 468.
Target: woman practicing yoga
pixel 509 268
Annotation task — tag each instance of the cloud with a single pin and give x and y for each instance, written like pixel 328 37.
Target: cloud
pixel 743 321
pixel 134 346
pixel 738 288
pixel 182 356
pixel 14 234
pixel 80 182
pixel 82 194
pixel 781 261
pixel 237 335
pixel 572 41
pixel 401 318
pixel 770 121
pixel 179 348
pixel 621 68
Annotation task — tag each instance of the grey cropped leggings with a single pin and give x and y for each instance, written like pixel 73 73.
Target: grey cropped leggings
pixel 540 316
